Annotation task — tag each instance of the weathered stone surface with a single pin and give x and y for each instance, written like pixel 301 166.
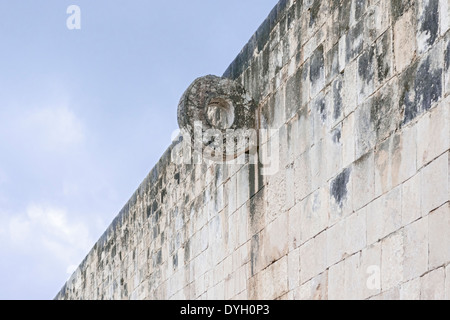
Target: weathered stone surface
pixel 353 203
pixel 404 40
pixel 439 236
pixel 433 285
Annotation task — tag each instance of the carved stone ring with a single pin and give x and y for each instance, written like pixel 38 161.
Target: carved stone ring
pixel 215 108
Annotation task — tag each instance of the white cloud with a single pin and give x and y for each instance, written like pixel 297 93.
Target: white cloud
pixel 53 127
pixel 51 231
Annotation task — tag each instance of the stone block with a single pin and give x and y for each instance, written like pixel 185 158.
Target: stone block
pixel 371 270
pixel 404 40
pixel 304 139
pixel 314 214
pixel 433 135
pixel 302 172
pixel 415 241
pixel 439 236
pixel 366 74
pixel 365 134
pixel 435 184
pixel 319 158
pixel 348 140
pixel 354 283
pixel 275 237
pixel 336 243
pixel 420 85
pixel 317 71
pixel 427 24
pixel 350 95
pixel 313 257
pixel 363 178
pixel 384 58
pixel 433 285
pixel 411 200
pixel 294 230
pixel 341 190
pixel 315 289
pixel 447 67
pixel 293 94
pixel 294 269
pixel 447 283
pixel 444 10
pixel 333 145
pixel 392 255
pixel 355 232
pixel 336 281
pixel 410 290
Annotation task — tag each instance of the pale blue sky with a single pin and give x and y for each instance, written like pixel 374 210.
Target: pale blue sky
pixel 85 114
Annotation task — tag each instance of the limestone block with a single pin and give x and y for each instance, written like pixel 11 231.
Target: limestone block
pixel 294 230
pixel 435 184
pixel 404 40
pixel 314 214
pixel 415 243
pixel 371 270
pixel 365 134
pixel 392 255
pixel 348 140
pixel 313 257
pixel 447 67
pixel 444 10
pixel 302 172
pixel 320 116
pixel 350 95
pixel 315 289
pixel 447 283
pixel 384 216
pixel 420 85
pixel 395 160
pixel 271 283
pixel 433 285
pixel 355 232
pixel 336 243
pixel 341 191
pixel 294 269
pixel 354 283
pixel 336 281
pixel 318 164
pixel 410 290
pixel 317 71
pixel 363 177
pixel 427 24
pixel 439 236
pixel 411 200
pixel 384 58
pixel 275 237
pixel 305 131
pixel 433 136
pixel 333 145
pixel 366 74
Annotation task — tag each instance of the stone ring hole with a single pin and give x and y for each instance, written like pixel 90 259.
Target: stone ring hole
pixel 220 113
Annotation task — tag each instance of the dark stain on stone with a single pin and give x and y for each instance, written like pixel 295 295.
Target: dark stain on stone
pixel 337 136
pixel 365 65
pixel 399 7
pixel 429 22
pixel 175 261
pixel 383 57
pixel 314 12
pixel 177 177
pixel 317 65
pixel 293 93
pixel 354 41
pixel 321 108
pixel 187 252
pixel 254 253
pixel 407 99
pixel 360 7
pixel 428 84
pixel 163 195
pixel 339 188
pixel 447 56
pixel 337 98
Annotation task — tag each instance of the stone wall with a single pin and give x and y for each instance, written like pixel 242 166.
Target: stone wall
pixel 359 204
